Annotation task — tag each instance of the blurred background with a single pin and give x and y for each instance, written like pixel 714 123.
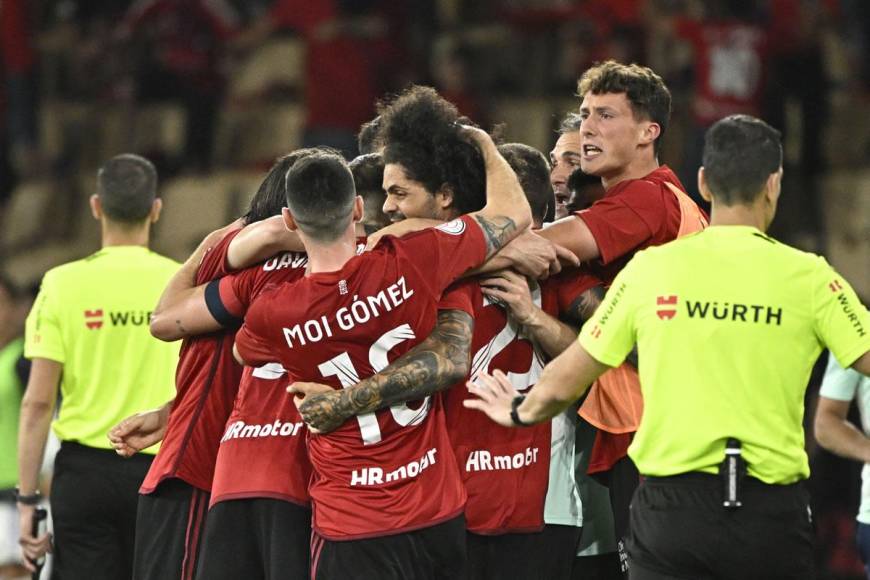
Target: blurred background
pixel 213 90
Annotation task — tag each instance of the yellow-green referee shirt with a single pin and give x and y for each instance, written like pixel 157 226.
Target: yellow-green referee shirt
pixel 728 323
pixel 92 316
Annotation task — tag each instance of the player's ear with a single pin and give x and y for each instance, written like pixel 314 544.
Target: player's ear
pixel 96 207
pixel 444 196
pixel 650 133
pixel 289 222
pixel 358 208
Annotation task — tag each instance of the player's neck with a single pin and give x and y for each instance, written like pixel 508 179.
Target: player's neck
pixel 117 235
pixel 641 166
pixel 330 257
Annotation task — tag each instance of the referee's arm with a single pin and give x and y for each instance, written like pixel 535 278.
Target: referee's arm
pixel 562 382
pixel 37 409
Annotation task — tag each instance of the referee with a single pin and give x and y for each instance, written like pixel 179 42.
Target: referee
pixel 728 323
pixel 88 333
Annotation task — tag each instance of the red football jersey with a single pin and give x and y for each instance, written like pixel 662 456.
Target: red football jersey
pixel 262 452
pixel 206 383
pixel 506 470
pixel 387 472
pixel 632 215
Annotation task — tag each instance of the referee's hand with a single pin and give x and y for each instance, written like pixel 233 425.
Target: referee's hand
pixel 494 393
pixel 32 548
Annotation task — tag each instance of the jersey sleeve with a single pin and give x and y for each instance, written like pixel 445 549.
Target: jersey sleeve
pixel 214 263
pixel 839 384
pixel 842 323
pixel 251 343
pixel 626 222
pixel 42 336
pixel 459 296
pixel 611 333
pixel 447 251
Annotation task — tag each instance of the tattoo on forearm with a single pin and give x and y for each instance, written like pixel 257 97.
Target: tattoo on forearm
pixel 583 307
pixel 498 231
pixel 434 364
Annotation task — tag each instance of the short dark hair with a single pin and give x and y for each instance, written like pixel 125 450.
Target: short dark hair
pixel 368 177
pixel 740 153
pixel 419 131
pixel 127 187
pixel 271 196
pixel 533 172
pixel 320 195
pixel 645 90
pixel 368 173
pixel 570 123
pixel 366 139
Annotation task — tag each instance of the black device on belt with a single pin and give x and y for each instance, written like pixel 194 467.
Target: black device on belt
pixel 732 471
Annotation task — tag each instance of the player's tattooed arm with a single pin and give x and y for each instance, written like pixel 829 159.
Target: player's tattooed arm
pixel 497 231
pixel 439 361
pixel 584 307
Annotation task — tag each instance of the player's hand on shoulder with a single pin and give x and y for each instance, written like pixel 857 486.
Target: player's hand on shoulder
pixel 537 257
pixel 511 290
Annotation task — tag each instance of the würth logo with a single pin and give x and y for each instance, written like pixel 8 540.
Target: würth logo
pixel 835 286
pixel 667 307
pixel 94 318
pixel 596 331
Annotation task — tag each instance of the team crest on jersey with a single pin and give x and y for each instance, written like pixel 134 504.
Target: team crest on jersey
pixel 667 307
pixel 454 228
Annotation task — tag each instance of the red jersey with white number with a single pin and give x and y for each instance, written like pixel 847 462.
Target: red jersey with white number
pixel 391 471
pixel 262 452
pixel 506 469
pixel 206 382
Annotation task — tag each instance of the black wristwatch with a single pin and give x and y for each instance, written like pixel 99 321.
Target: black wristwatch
pixel 32 499
pixel 515 416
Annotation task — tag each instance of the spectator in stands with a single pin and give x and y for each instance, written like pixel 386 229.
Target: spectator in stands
pixel 17 96
pixel 349 57
pixel 177 46
pixel 730 51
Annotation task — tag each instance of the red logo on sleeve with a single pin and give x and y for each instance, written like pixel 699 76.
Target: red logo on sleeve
pixel 663 302
pixel 835 286
pixel 94 318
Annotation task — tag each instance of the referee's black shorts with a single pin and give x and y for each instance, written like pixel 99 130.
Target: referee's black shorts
pixel 93 507
pixel 434 553
pixel 679 529
pixel 256 539
pixel 169 528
